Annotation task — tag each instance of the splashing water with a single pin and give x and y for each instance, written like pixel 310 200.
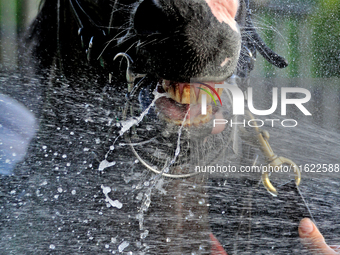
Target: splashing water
pixel 126 126
pixel 104 164
pixel 178 148
pixel 115 203
pixel 157 178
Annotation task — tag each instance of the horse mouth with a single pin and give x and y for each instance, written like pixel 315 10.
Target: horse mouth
pixel 181 104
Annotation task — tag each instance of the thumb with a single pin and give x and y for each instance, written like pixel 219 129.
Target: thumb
pixel 312 238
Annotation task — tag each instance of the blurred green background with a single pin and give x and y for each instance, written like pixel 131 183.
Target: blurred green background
pixel 15 16
pixel 306 32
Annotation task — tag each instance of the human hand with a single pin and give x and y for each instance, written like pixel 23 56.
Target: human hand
pixel 313 239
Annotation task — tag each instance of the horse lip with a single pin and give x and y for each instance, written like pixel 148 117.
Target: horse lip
pixel 144 64
pixel 216 79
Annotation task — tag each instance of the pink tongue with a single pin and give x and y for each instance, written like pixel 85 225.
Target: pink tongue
pixel 177 111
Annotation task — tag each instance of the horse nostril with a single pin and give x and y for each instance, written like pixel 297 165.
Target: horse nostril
pixel 150 18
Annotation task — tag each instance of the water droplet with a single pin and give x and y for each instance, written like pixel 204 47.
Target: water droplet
pixel 145 234
pixel 122 246
pixel 104 164
pixel 201 201
pixel 147 202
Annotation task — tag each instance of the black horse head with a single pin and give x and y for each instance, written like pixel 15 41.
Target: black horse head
pixel 173 40
pixel 177 44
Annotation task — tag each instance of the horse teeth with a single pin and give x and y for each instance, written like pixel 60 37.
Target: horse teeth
pixel 193 98
pixel 208 97
pixel 177 93
pixel 197 93
pixel 171 92
pixel 219 92
pixel 186 94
